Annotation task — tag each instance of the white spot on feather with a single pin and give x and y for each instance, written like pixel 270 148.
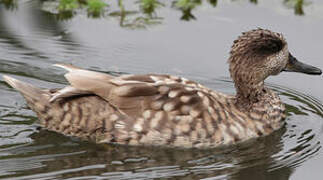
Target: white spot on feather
pixel 119 125
pixel 234 129
pixel 65 107
pixel 173 94
pixel 200 94
pixel 185 99
pixel 154 78
pixel 113 117
pixel 195 112
pixel 189 89
pixel 137 127
pixel 163 89
pixel 147 114
pixel 184 80
pixel 169 106
pixel 211 110
pixel 154 122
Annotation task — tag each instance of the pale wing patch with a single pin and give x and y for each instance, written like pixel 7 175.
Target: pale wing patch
pixel 76 70
pixel 120 82
pixel 68 91
pixel 100 87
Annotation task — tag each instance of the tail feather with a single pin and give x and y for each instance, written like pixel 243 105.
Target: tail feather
pixel 37 99
pixel 25 89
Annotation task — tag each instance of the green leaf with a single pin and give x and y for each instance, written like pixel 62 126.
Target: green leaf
pixel 67 5
pixel 95 7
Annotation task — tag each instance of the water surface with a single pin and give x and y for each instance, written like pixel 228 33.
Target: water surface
pixel 33 37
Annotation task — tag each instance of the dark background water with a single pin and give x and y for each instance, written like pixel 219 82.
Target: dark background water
pixel 33 36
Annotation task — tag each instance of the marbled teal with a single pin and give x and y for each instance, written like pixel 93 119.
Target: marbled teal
pixel 170 111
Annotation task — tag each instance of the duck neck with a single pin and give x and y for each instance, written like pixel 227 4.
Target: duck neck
pixel 249 93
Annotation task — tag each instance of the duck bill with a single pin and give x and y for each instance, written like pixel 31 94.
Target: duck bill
pixel 294 65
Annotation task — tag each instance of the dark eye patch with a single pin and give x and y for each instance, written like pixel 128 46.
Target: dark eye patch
pixel 270 46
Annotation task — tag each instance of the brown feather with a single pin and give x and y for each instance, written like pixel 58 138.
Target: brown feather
pixel 167 110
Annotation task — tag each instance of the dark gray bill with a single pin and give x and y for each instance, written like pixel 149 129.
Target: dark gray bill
pixel 294 65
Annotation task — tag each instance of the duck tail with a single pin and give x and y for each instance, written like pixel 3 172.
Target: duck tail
pixel 37 99
pixel 27 90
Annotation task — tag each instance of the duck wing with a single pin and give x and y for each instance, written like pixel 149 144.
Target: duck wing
pixel 132 94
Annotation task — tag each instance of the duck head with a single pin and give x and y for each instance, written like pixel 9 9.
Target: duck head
pixel 257 54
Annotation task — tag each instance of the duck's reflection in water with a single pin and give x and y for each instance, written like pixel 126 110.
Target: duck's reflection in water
pixel 248 160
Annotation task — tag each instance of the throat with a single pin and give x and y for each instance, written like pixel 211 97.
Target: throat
pixel 249 93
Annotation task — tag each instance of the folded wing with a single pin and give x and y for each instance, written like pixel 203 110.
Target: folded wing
pixel 130 94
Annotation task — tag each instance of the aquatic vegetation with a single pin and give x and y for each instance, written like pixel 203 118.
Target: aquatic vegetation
pixel 186 6
pixel 68 5
pixel 9 4
pixel 297 5
pixel 95 7
pixel 149 6
pixel 213 2
pixel 254 1
pixel 142 14
pixel 136 19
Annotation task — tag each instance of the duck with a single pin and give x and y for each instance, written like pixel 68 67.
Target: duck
pixel 170 111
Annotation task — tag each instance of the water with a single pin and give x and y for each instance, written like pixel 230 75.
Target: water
pixel 32 38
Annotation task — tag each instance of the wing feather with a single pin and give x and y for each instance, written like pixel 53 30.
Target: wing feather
pixel 126 94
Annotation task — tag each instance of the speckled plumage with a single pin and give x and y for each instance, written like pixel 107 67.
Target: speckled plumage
pixel 167 110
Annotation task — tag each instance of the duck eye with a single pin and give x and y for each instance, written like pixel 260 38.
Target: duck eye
pixel 271 46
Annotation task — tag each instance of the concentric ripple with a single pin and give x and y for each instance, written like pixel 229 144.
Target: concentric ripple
pixel 27 153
